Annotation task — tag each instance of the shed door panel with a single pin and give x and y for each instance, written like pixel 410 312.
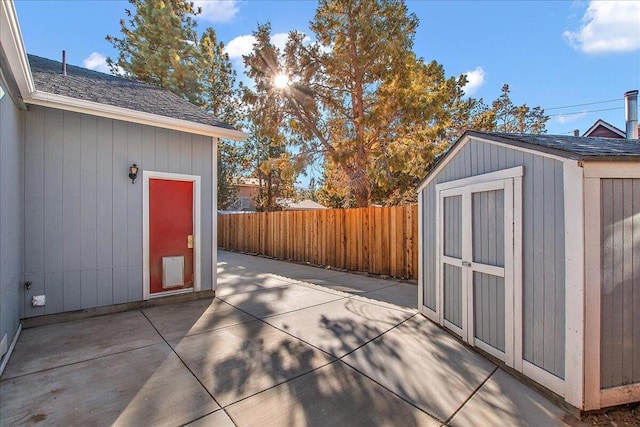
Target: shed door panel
pixel 488 272
pixel 452 261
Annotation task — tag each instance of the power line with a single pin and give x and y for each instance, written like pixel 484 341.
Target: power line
pixel 585 112
pixel 581 105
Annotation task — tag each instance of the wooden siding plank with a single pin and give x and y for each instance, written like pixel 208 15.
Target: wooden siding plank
pixel 72 290
pixel 635 283
pixel 606 298
pixel 104 281
pixel 104 188
pixel 54 286
pixel 626 255
pixel 120 285
pixel 53 152
pixel 34 192
pixel 148 159
pixel 162 150
pixel 549 260
pixel 134 199
pixel 120 187
pixel 71 180
pixel 185 153
pixel 134 283
pixel 559 280
pixel 89 288
pixel 88 195
pixel 173 151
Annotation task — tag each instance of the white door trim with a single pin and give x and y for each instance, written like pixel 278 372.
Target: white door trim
pixel 197 244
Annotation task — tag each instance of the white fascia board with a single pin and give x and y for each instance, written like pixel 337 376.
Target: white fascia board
pixel 67 103
pixel 466 140
pixel 13 46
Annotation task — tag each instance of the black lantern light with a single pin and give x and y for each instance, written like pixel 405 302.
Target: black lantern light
pixel 133 172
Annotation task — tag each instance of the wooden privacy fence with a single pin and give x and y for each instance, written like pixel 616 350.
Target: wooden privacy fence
pixel 375 240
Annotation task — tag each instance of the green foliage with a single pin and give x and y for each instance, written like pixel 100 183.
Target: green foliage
pixel 158 46
pixel 517 119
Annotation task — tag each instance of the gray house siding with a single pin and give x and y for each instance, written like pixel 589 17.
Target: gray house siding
pixel 11 215
pixel 84 216
pixel 542 242
pixel 620 289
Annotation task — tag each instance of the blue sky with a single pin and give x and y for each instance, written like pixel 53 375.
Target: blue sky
pixel 551 53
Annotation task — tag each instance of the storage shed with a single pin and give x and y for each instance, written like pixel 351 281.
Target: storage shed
pixel 530 251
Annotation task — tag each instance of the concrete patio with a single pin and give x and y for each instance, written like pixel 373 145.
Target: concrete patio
pixel 281 345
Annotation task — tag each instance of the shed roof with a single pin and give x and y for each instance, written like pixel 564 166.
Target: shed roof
pixel 89 85
pixel 571 147
pixel 581 147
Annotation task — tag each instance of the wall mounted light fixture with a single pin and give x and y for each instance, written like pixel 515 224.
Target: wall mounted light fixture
pixel 133 172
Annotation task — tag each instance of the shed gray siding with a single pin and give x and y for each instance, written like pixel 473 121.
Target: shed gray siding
pixel 542 242
pixel 620 289
pixel 11 215
pixel 83 218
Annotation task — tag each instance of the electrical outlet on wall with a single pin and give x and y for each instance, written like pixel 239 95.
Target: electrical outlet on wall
pixel 38 300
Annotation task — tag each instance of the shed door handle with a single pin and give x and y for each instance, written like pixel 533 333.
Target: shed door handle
pixel 466 264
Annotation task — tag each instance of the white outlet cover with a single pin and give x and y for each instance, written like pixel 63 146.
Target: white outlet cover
pixel 38 300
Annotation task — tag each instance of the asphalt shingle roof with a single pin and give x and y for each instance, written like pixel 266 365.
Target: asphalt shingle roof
pixel 591 148
pixel 89 85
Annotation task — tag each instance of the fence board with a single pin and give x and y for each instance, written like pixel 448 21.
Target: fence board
pixel 375 240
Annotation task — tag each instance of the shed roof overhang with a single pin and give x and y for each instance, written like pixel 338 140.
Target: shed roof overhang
pixel 551 152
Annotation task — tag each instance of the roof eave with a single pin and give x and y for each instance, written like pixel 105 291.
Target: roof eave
pixel 67 103
pixel 13 46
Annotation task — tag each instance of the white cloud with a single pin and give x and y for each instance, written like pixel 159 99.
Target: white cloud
pixel 96 61
pixel 217 10
pixel 279 40
pixel 475 79
pixel 608 26
pixel 563 119
pixel 241 45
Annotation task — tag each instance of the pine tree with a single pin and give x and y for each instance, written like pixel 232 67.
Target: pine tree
pixel 158 46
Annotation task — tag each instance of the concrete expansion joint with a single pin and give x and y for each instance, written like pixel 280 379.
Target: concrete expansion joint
pixel 471 395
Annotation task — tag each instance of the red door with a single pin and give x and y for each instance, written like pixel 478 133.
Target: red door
pixel 170 234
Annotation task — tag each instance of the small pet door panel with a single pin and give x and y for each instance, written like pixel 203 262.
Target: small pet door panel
pixel 172 272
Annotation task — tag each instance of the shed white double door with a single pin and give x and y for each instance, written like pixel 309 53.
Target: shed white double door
pixel 476 260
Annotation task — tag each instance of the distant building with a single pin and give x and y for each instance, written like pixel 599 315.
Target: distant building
pixel 302 205
pixel 248 189
pixel 603 129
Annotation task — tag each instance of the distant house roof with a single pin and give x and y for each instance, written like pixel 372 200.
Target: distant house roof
pixel 302 205
pixel 604 129
pixel 89 85
pixel 248 182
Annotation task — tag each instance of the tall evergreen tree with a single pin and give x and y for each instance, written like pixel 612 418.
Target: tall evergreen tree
pixel 276 168
pixel 158 46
